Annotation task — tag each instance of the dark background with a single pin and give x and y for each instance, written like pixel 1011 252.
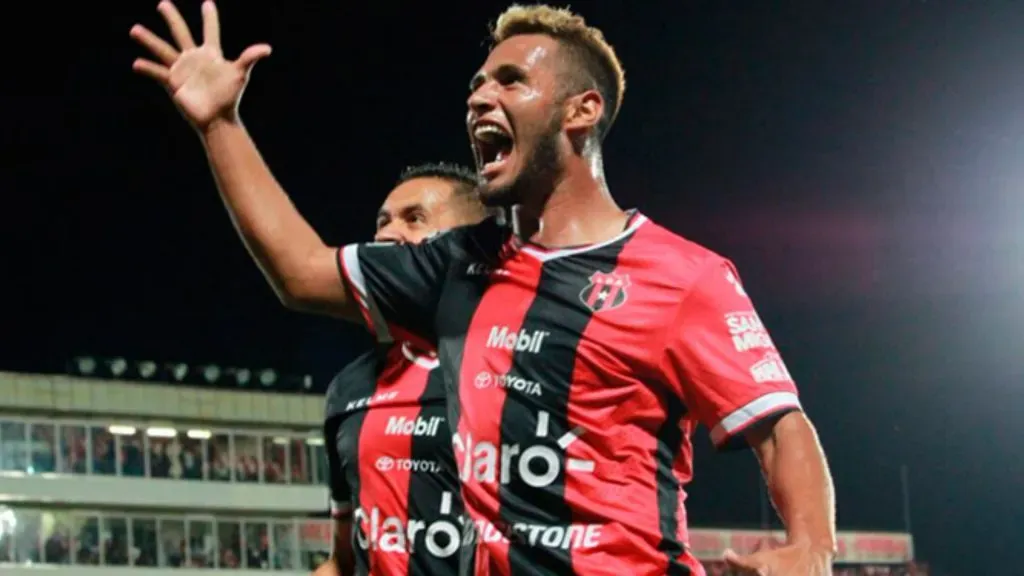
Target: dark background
pixel 861 163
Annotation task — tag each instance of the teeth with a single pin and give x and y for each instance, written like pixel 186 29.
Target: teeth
pixel 489 129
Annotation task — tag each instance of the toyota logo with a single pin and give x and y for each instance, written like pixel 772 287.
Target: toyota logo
pixel 385 463
pixel 483 380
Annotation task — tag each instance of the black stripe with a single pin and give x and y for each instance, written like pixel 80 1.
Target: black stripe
pixel 557 310
pixel 460 298
pixel 670 441
pixel 424 497
pixel 359 379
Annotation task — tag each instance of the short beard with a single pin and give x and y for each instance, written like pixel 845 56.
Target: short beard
pixel 538 174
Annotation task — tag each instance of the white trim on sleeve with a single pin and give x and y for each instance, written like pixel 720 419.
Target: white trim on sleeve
pixel 354 272
pixel 751 412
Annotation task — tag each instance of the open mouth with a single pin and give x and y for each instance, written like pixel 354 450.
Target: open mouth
pixel 493 147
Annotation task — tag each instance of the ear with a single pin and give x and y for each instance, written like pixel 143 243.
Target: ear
pixel 583 111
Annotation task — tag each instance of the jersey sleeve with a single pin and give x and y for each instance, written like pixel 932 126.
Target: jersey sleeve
pixel 723 360
pixel 340 494
pixel 398 286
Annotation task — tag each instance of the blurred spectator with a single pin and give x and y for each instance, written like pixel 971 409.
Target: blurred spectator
pixel 202 543
pixel 144 543
pixel 87 541
pixel 133 460
pixel 115 541
pixel 229 543
pixel 57 548
pixel 159 459
pixel 257 545
pixel 247 458
pixel 191 459
pixel 275 460
pixel 218 454
pixel 43 448
pixel 172 543
pixel 103 450
pixel 73 449
pixel 13 446
pixel 300 473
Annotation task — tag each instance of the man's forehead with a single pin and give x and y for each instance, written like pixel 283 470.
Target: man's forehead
pixel 417 192
pixel 523 50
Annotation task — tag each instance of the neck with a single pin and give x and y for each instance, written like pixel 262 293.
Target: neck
pixel 578 211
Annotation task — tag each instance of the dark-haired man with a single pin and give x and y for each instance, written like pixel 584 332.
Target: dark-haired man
pixel 394 494
pixel 581 343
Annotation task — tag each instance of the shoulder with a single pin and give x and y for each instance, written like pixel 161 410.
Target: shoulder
pixel 357 380
pixel 678 261
pixel 484 238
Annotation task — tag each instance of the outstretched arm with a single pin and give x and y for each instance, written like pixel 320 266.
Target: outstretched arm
pixel 207 89
pixel 302 270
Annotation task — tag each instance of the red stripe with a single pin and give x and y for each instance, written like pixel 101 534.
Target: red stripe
pixel 387 490
pixel 504 304
pixel 612 399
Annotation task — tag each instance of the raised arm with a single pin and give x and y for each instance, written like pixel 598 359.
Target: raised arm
pixel 733 379
pixel 207 88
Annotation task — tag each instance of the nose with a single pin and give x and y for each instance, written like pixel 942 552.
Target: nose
pixel 483 99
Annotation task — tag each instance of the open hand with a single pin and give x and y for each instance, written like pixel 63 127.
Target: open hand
pixel 203 84
pixel 786 560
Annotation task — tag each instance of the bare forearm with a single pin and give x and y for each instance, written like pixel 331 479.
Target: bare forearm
pixel 799 482
pixel 278 237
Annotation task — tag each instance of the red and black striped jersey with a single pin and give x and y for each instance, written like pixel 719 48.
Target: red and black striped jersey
pixel 575 378
pixel 391 466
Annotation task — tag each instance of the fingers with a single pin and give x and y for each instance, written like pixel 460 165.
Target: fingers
pixel 177 25
pixel 161 49
pixel 211 24
pixel 251 55
pixel 149 68
pixel 748 564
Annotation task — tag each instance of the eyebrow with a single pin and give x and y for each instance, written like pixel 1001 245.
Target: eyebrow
pixel 504 70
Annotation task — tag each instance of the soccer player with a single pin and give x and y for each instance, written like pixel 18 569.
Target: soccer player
pixel 581 344
pixel 388 441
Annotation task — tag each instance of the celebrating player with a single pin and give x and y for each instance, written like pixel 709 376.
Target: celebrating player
pixel 388 442
pixel 581 344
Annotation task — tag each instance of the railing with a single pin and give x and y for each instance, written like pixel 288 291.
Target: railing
pixel 36 445
pixel 88 538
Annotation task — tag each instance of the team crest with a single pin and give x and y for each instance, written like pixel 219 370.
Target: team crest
pixel 607 290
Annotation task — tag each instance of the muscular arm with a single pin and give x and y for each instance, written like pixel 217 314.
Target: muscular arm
pixel 798 479
pixel 298 265
pixel 342 561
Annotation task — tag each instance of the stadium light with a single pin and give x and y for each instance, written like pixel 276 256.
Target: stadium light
pixel 118 366
pixel 120 430
pixel 198 434
pixel 241 375
pixel 86 365
pixel 211 373
pixel 268 377
pixel 147 369
pixel 204 375
pixel 315 441
pixel 179 371
pixel 160 432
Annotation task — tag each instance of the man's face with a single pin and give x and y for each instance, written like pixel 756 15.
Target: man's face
pixel 416 209
pixel 515 118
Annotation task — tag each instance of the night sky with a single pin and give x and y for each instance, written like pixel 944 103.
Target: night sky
pixel 861 163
